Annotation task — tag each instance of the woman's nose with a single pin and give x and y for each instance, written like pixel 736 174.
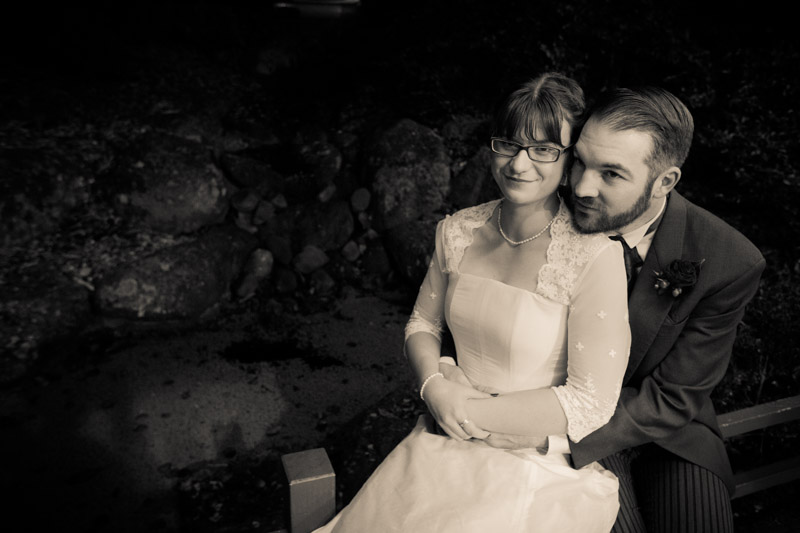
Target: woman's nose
pixel 520 162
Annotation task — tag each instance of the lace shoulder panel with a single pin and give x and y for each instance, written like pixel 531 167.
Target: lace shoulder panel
pixel 457 230
pixel 568 255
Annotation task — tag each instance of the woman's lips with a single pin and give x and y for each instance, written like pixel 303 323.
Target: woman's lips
pixel 519 180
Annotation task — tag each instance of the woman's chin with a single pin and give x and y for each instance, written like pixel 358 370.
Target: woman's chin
pixel 528 193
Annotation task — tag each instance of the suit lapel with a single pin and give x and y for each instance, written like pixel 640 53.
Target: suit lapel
pixel 648 309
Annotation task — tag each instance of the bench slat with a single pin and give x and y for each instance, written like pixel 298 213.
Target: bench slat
pixel 767 476
pixel 759 416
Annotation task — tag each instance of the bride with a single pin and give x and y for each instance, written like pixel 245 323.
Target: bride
pixel 538 313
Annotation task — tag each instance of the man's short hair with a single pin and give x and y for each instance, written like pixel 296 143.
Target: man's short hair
pixel 655 111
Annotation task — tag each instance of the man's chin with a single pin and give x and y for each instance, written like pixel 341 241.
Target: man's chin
pixel 585 224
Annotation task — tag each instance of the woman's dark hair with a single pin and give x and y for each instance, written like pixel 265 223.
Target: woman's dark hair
pixel 541 105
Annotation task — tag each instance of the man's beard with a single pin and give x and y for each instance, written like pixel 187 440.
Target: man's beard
pixel 605 222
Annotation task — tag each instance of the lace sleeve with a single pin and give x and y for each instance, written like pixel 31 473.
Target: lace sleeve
pixel 428 313
pixel 599 342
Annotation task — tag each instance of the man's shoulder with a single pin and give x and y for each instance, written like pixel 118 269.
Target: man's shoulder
pixel 706 231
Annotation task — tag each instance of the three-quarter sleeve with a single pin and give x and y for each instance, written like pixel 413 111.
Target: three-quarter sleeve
pixel 599 339
pixel 428 313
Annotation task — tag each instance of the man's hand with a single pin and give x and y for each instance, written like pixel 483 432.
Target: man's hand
pixel 516 442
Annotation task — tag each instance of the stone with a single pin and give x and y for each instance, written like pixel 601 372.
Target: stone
pixel 256 270
pixel 310 259
pixel 411 173
pixel 463 134
pixel 248 172
pixel 182 282
pixel 285 280
pixel 264 212
pixel 244 221
pixel 348 144
pixel 280 246
pixel 351 251
pixel 316 156
pixel 375 260
pixel 327 193
pixel 244 201
pixel 46 180
pixel 327 226
pixel 171 185
pixel 322 282
pixel 410 247
pixel 365 220
pixel 474 184
pixel 280 202
pixel 38 310
pixel 344 271
pixel 360 199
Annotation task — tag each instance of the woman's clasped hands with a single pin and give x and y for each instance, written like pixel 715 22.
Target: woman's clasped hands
pixel 447 402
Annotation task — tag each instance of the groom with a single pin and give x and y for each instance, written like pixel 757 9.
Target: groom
pixel 690 277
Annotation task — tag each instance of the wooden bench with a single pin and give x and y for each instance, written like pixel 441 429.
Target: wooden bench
pixel 312 480
pixel 760 417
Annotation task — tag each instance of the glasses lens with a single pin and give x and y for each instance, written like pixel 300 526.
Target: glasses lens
pixel 505 147
pixel 543 153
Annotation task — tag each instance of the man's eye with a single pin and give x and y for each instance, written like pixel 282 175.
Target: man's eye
pixel 610 175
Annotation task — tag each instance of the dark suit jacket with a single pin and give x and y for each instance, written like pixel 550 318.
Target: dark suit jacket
pixel 681 346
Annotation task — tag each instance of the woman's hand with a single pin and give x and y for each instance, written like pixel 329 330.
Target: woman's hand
pixel 447 402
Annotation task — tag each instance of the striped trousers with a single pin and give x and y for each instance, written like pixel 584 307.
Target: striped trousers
pixel 660 492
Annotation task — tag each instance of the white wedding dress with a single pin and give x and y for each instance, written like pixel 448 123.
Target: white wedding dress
pixel 571 334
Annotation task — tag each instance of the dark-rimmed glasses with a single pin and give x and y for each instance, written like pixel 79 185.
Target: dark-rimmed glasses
pixel 543 153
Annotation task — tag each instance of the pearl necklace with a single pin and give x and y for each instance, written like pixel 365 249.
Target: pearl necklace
pixel 517 243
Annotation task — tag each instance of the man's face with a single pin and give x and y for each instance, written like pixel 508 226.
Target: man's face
pixel 610 179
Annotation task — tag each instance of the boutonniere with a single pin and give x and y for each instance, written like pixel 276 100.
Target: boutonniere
pixel 679 275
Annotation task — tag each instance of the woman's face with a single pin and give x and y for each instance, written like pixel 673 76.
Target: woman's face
pixel 524 181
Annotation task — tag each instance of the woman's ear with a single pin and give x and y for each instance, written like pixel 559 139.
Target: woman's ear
pixel 666 181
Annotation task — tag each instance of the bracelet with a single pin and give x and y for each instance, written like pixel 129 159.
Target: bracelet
pixel 422 388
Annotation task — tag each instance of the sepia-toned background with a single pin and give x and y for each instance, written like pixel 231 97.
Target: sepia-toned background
pixel 214 221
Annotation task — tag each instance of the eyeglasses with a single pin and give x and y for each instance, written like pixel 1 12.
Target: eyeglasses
pixel 536 152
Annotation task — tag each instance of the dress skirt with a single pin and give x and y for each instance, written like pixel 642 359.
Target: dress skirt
pixel 434 483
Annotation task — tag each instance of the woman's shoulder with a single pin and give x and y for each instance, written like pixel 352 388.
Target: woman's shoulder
pixel 477 213
pixel 457 231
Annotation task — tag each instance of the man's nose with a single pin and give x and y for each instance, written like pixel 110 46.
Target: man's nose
pixel 584 183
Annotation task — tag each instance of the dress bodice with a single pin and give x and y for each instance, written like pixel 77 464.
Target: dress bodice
pixel 571 334
pixel 506 338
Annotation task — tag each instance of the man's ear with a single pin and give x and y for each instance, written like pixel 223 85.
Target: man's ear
pixel 666 181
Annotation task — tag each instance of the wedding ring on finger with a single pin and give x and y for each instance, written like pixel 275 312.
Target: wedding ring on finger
pixel 463 423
